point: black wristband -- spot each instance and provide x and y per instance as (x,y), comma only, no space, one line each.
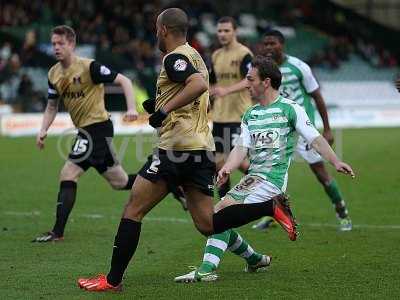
(157,118)
(149,105)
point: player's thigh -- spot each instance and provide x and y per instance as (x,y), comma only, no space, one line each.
(201,209)
(253,189)
(116,176)
(143,197)
(70,172)
(321,172)
(225,202)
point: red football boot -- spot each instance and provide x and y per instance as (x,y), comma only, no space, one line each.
(284,216)
(98,284)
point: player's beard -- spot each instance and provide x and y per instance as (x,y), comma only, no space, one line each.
(257,94)
(161,45)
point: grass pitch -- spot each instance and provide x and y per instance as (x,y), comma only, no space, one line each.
(322,264)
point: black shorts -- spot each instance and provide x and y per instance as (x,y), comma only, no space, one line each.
(225,136)
(93,147)
(190,168)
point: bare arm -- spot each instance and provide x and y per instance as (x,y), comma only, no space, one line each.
(126,84)
(305,128)
(235,158)
(195,85)
(322,147)
(321,107)
(48,118)
(226,90)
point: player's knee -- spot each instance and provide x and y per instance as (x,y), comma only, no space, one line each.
(117,185)
(205,229)
(133,209)
(68,175)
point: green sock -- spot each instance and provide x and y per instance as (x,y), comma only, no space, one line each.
(333,192)
(215,248)
(240,247)
(336,198)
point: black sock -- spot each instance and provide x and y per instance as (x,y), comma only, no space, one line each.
(224,189)
(125,245)
(65,203)
(131,180)
(241,214)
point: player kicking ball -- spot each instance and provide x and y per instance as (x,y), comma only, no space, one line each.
(268,137)
(184,156)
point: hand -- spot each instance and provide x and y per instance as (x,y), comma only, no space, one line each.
(157,118)
(149,105)
(131,115)
(344,168)
(327,134)
(219,91)
(40,139)
(398,84)
(223,176)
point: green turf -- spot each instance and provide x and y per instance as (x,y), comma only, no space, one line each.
(322,264)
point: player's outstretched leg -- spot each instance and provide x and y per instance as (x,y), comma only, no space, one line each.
(236,215)
(334,194)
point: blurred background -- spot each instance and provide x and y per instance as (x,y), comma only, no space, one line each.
(352,47)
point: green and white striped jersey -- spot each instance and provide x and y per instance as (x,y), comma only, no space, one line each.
(269,132)
(297,83)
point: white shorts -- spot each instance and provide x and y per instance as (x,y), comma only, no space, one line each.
(253,189)
(307,152)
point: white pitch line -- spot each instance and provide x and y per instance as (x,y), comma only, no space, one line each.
(91,216)
(22,213)
(354,225)
(165,219)
(188,221)
(153,219)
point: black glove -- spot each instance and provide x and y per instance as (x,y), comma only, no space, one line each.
(157,118)
(149,105)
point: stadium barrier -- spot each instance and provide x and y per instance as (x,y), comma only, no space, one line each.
(17,124)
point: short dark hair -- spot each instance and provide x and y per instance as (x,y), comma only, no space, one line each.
(267,68)
(176,20)
(277,34)
(65,30)
(228,19)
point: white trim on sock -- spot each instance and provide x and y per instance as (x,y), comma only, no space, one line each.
(217,244)
(249,252)
(236,244)
(211,258)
